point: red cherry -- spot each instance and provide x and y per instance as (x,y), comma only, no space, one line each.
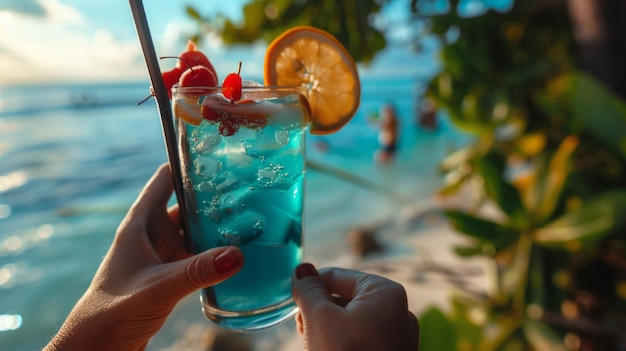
(231,87)
(197,76)
(171,77)
(212,114)
(192,57)
(228,127)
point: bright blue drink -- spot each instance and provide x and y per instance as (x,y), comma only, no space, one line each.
(243,173)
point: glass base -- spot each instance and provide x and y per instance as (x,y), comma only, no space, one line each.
(248,321)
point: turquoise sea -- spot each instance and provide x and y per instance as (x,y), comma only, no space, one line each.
(74,157)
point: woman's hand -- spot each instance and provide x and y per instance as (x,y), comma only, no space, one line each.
(349,310)
(145,273)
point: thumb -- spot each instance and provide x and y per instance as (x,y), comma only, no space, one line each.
(203,270)
(309,291)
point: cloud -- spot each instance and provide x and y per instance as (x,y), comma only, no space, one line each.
(60,13)
(46,10)
(24,7)
(63,47)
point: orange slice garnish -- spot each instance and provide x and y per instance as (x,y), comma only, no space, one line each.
(314,59)
(188,110)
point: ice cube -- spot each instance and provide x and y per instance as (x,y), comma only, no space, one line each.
(230,237)
(208,143)
(205,187)
(279,228)
(243,229)
(266,176)
(281,137)
(266,141)
(206,166)
(238,159)
(292,162)
(237,200)
(289,116)
(227,185)
(212,211)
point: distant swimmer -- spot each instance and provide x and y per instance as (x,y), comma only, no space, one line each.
(388,134)
(427,115)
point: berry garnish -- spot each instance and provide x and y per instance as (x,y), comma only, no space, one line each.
(212,114)
(234,114)
(193,57)
(231,87)
(170,78)
(197,76)
(228,127)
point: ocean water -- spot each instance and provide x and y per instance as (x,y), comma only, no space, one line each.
(74,157)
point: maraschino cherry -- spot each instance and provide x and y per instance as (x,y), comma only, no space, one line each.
(231,87)
(193,57)
(197,76)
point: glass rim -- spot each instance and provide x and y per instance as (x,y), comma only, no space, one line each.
(297,88)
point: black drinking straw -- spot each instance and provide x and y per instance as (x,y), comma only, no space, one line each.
(164,107)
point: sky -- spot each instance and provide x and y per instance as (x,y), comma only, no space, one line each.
(95,41)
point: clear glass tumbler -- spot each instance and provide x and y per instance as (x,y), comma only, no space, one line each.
(243,170)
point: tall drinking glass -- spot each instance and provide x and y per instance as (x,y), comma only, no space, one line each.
(242,166)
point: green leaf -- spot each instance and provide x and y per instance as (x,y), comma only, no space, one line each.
(482,229)
(437,332)
(470,330)
(602,113)
(193,13)
(505,195)
(551,181)
(469,251)
(594,220)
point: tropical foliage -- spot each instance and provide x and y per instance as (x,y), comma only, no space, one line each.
(549,157)
(348,21)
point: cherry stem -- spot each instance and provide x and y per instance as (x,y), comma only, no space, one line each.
(180,58)
(239,69)
(145,99)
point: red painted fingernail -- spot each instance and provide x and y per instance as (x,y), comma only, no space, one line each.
(305,270)
(227,261)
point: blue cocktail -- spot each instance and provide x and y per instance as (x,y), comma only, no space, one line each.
(243,171)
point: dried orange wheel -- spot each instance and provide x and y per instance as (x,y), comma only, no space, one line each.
(312,58)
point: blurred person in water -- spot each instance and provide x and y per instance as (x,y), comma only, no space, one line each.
(388,134)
